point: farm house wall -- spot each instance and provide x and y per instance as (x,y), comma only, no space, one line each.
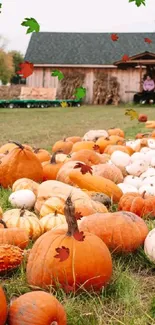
(129,80)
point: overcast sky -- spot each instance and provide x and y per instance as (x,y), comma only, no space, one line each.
(73,16)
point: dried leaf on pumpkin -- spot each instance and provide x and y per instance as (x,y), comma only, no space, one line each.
(84,168)
(63,253)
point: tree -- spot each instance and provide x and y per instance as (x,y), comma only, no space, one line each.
(6,67)
(17,59)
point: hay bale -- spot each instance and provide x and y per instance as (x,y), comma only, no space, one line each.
(10,92)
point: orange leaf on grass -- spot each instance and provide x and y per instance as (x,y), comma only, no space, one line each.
(84,168)
(63,253)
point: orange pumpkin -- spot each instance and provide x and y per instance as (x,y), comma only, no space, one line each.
(80,145)
(42,154)
(63,145)
(48,310)
(51,168)
(138,204)
(111,148)
(153,134)
(11,257)
(13,236)
(65,169)
(108,171)
(142,118)
(116,131)
(3,308)
(142,135)
(111,140)
(96,184)
(19,163)
(87,156)
(74,139)
(76,251)
(121,231)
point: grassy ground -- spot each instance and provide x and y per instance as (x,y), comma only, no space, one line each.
(130,297)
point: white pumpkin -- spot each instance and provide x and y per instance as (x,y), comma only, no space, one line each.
(95,134)
(148,189)
(137,156)
(149,155)
(120,159)
(151,143)
(149,245)
(153,162)
(23,199)
(145,149)
(149,172)
(134,144)
(137,167)
(133,181)
(52,220)
(127,188)
(149,180)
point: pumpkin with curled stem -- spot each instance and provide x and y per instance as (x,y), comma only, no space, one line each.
(121,231)
(21,162)
(67,256)
(13,236)
(47,311)
(3,309)
(138,204)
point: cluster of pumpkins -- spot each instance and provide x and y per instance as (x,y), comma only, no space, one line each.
(63,203)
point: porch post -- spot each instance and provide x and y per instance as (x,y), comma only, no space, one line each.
(140,76)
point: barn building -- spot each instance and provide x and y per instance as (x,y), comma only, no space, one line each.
(92,60)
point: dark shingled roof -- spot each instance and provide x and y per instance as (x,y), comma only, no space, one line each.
(85,48)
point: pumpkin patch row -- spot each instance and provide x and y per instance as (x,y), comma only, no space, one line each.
(62,201)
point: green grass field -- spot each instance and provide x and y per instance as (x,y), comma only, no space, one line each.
(130,297)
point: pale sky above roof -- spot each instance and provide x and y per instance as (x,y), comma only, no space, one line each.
(73,16)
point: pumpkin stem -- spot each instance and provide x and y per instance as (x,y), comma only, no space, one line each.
(36,150)
(55,213)
(64,138)
(17,144)
(53,160)
(69,212)
(143,194)
(3,223)
(22,211)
